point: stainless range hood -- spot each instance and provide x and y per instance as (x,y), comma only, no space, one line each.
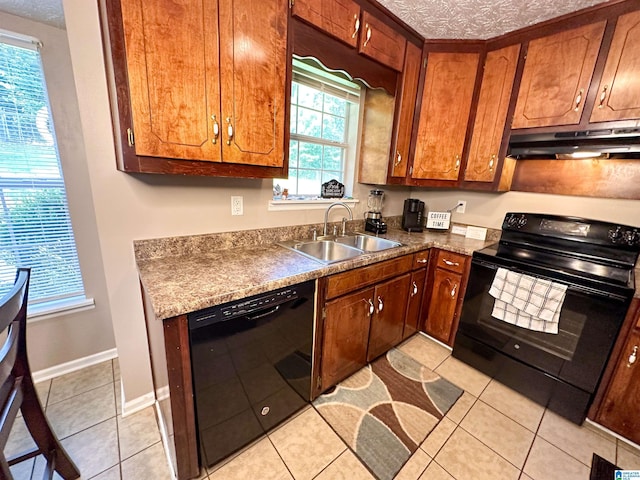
(618,143)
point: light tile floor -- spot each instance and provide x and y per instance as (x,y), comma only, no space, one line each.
(490,433)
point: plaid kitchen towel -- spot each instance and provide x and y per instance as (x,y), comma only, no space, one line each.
(527,301)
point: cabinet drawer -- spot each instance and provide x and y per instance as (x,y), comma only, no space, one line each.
(345,282)
(420,259)
(454,262)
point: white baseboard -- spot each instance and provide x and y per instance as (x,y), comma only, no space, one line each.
(136,404)
(74,365)
(165,438)
(162,393)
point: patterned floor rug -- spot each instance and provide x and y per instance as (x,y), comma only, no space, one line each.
(386,410)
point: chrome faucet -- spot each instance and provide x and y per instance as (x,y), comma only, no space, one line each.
(326,214)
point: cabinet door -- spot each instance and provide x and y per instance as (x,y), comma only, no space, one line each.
(491,114)
(253,67)
(172,65)
(338,18)
(346,333)
(442,307)
(381,42)
(444,115)
(407,105)
(416,289)
(556,77)
(390,300)
(619,411)
(619,92)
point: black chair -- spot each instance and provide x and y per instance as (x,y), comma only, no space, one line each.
(17,391)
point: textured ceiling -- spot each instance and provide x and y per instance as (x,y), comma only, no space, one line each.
(472,19)
(43,11)
(478,19)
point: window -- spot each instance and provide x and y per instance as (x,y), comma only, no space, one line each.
(35,229)
(324,123)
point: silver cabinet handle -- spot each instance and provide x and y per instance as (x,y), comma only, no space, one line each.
(450,263)
(229,130)
(368,37)
(422,260)
(457,162)
(633,357)
(578,100)
(380,304)
(492,162)
(216,129)
(356,26)
(372,307)
(415,289)
(453,290)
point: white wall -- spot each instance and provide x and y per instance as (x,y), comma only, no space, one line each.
(66,338)
(488,209)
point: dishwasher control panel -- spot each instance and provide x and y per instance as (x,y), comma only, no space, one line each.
(261,304)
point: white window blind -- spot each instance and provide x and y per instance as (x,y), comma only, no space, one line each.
(35,229)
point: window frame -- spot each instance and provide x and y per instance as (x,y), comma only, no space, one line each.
(52,302)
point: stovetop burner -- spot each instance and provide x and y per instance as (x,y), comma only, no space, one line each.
(591,253)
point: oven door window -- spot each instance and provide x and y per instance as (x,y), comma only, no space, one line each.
(589,323)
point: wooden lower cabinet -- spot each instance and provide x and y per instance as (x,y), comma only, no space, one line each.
(363,316)
(448,274)
(414,302)
(387,323)
(621,403)
(346,335)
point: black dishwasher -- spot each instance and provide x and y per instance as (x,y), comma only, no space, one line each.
(251,362)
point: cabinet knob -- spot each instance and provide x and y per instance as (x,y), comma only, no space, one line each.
(603,95)
(368,37)
(372,307)
(453,290)
(633,357)
(216,129)
(356,26)
(579,99)
(492,162)
(229,130)
(415,289)
(457,162)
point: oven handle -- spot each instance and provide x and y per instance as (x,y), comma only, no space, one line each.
(574,288)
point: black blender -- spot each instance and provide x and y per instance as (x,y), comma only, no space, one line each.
(373,217)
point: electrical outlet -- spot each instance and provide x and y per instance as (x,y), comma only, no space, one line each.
(236,206)
(462,206)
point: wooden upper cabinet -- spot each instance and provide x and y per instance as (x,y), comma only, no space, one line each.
(493,104)
(556,77)
(191,99)
(172,52)
(338,18)
(253,66)
(407,105)
(381,42)
(619,91)
(444,115)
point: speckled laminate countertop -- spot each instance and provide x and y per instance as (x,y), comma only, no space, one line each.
(185,274)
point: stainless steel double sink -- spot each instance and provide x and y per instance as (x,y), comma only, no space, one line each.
(330,248)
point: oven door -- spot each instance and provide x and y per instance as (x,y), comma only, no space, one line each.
(589,323)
